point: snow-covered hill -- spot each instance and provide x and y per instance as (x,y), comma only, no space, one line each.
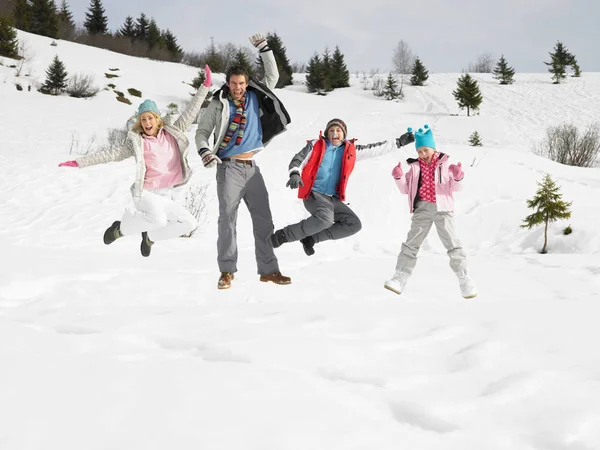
(103,349)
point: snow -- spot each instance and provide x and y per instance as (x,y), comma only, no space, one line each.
(103,349)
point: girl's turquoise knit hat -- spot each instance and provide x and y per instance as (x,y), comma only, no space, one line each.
(148,106)
(423,138)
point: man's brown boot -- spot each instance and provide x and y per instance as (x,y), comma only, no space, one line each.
(225,280)
(276,278)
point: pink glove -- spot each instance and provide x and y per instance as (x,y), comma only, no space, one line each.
(456,171)
(68,164)
(397,171)
(207,76)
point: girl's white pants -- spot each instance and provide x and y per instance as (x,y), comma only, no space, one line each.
(159,213)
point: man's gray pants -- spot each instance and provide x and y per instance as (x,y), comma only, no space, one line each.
(330,219)
(237,181)
(425,215)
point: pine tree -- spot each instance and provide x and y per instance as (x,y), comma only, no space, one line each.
(170,42)
(328,75)
(283,63)
(141,27)
(576,69)
(503,72)
(475,139)
(95,20)
(56,78)
(548,206)
(128,28)
(419,73)
(340,76)
(315,77)
(44,19)
(390,91)
(66,24)
(154,36)
(467,93)
(65,16)
(559,60)
(214,59)
(22,14)
(9,46)
(241,59)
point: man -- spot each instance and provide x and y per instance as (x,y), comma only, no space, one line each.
(320,172)
(244,116)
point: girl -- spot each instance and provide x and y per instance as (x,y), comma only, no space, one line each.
(429,184)
(160,151)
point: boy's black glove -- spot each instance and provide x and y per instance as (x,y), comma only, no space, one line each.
(294,181)
(405,139)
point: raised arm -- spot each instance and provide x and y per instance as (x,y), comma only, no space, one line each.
(266,55)
(185,120)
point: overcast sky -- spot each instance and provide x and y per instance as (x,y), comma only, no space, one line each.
(446,35)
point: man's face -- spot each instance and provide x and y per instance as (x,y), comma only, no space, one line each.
(335,134)
(237,85)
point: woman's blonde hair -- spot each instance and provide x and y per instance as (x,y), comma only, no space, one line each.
(137,127)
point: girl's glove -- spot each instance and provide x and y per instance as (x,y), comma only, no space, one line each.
(68,164)
(397,171)
(207,76)
(456,171)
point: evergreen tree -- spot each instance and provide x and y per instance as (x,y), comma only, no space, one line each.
(576,69)
(283,63)
(503,72)
(66,24)
(9,46)
(390,91)
(56,78)
(327,70)
(315,77)
(214,59)
(467,93)
(141,27)
(557,69)
(22,14)
(559,60)
(154,36)
(44,19)
(170,43)
(475,139)
(128,28)
(95,20)
(65,16)
(548,206)
(340,76)
(241,59)
(419,73)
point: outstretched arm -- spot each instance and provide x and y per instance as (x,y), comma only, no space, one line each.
(383,147)
(115,154)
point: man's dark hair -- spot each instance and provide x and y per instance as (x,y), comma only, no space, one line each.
(236,70)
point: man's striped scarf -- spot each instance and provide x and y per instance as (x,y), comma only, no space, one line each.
(237,124)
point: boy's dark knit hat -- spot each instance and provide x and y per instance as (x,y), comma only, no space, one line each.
(340,123)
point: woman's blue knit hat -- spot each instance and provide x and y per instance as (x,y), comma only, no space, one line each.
(423,138)
(148,106)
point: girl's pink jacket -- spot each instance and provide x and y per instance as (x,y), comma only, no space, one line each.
(445,184)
